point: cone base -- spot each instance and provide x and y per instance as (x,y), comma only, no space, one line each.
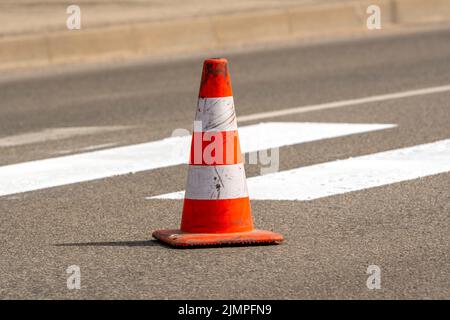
(178,238)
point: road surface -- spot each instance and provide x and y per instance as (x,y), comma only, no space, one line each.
(356,100)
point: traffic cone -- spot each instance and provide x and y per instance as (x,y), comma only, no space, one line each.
(216,207)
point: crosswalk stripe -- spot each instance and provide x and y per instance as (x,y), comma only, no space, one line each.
(41,174)
(342,176)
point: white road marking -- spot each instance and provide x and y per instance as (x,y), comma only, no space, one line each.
(342,176)
(343,103)
(55,134)
(41,174)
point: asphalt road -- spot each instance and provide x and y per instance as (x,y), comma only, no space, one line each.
(104,226)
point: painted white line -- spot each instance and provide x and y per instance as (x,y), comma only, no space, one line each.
(40,174)
(338,177)
(55,134)
(277,134)
(343,103)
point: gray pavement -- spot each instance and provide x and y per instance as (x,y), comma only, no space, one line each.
(105,226)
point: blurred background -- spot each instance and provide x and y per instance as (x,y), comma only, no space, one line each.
(34,32)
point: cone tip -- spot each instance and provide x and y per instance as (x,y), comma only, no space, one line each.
(216,65)
(215,79)
(216,60)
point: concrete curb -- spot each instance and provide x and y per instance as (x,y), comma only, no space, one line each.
(212,32)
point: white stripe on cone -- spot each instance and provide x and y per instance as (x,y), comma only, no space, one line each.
(215,114)
(216,182)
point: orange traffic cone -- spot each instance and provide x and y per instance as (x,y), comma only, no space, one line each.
(216,206)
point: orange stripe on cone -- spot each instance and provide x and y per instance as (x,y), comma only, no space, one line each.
(216,207)
(215,79)
(216,216)
(215,148)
